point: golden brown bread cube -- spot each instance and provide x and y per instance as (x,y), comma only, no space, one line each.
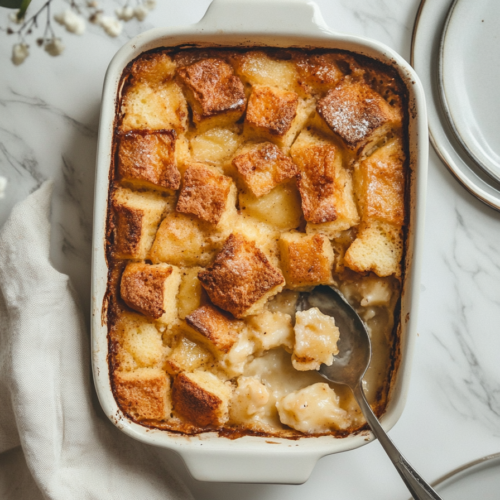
(201,398)
(147,160)
(137,216)
(153,69)
(214,328)
(318,72)
(378,247)
(213,90)
(151,290)
(143,393)
(187,356)
(263,235)
(241,279)
(271,111)
(306,260)
(263,166)
(345,208)
(182,240)
(191,293)
(380,183)
(159,107)
(319,193)
(358,115)
(317,160)
(205,193)
(138,343)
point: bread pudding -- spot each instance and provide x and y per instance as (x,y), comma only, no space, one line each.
(241,178)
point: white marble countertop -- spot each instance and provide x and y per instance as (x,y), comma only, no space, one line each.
(49,110)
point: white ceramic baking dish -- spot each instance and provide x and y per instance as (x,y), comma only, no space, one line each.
(276,23)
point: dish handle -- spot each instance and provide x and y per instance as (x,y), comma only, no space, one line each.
(247,464)
(281,16)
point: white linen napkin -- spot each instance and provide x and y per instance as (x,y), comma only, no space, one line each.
(47,400)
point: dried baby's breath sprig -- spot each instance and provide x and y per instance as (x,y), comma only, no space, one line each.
(73,17)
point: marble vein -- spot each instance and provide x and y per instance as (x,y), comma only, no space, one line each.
(472,382)
(39,103)
(19,157)
(74,191)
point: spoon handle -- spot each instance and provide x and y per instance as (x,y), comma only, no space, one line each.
(419,488)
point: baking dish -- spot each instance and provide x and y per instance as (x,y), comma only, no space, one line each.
(277,23)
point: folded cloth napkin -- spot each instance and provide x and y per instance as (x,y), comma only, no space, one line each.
(47,401)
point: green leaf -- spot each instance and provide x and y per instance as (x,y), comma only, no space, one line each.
(11,4)
(22,5)
(23,8)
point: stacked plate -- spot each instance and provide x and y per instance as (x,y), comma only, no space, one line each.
(478,479)
(455,51)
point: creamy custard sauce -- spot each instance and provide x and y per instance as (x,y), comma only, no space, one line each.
(374,300)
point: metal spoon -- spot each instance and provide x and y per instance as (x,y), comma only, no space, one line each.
(349,367)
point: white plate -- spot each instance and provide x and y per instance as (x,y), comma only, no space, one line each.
(426,44)
(469,84)
(479,479)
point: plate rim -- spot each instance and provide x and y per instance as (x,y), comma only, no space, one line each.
(469,465)
(437,149)
(464,467)
(444,99)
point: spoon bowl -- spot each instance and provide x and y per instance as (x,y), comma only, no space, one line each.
(355,351)
(349,367)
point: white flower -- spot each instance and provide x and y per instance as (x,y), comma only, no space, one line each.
(3,186)
(20,52)
(150,4)
(71,21)
(96,18)
(141,12)
(111,26)
(125,14)
(54,47)
(13,18)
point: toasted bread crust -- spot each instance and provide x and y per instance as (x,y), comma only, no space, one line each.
(215,326)
(128,229)
(380,184)
(194,403)
(271,110)
(143,394)
(153,69)
(204,193)
(149,156)
(354,112)
(142,288)
(263,167)
(137,215)
(378,248)
(319,71)
(214,88)
(307,262)
(240,276)
(316,182)
(153,107)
